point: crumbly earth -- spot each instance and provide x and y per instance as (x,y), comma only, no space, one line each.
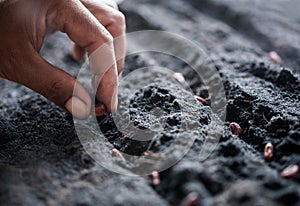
(42,161)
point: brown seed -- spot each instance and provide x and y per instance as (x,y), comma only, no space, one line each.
(236,129)
(118,154)
(100,110)
(202,100)
(275,57)
(269,150)
(155,179)
(191,199)
(290,171)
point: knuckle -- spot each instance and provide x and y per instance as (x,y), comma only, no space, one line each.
(119,21)
(120,17)
(56,85)
(101,37)
(107,37)
(113,4)
(57,90)
(98,34)
(101,34)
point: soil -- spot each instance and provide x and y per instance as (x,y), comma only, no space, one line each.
(44,163)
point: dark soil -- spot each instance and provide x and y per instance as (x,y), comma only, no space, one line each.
(44,163)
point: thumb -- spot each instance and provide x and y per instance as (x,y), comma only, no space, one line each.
(54,84)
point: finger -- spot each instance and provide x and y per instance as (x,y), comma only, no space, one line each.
(105,75)
(111,3)
(114,22)
(117,27)
(119,45)
(51,82)
(103,82)
(87,32)
(78,53)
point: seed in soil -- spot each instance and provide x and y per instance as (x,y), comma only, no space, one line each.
(269,150)
(191,199)
(275,57)
(155,179)
(236,129)
(117,153)
(179,77)
(202,100)
(290,171)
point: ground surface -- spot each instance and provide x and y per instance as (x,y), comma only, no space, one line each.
(43,162)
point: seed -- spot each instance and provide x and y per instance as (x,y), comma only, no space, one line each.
(155,179)
(290,171)
(269,150)
(100,110)
(202,100)
(191,199)
(179,77)
(236,129)
(275,57)
(118,154)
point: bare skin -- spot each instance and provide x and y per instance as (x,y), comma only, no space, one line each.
(88,23)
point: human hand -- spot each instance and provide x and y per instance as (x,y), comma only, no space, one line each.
(88,23)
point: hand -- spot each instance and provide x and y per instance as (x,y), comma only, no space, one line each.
(88,23)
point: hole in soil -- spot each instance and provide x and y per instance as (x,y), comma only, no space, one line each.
(151,108)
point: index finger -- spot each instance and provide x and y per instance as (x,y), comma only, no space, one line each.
(73,18)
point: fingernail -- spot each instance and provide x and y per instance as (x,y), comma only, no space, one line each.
(77,108)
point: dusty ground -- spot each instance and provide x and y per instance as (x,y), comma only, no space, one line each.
(43,162)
